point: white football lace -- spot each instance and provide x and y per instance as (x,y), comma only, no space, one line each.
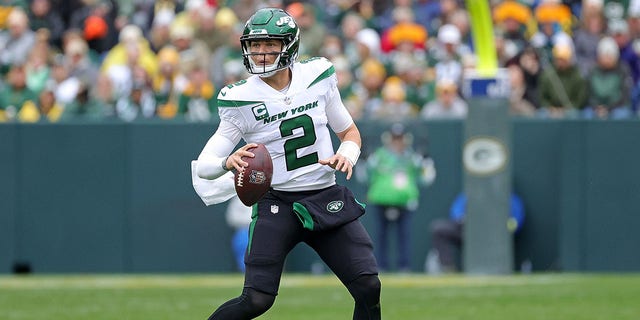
(240,177)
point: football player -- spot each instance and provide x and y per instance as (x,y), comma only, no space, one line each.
(289,106)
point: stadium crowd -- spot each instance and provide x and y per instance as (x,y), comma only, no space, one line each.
(128,60)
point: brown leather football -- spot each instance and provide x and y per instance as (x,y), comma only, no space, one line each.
(254,182)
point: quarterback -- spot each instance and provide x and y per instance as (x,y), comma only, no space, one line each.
(291,107)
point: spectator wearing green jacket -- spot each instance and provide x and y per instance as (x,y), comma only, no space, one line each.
(610,84)
(395,173)
(563,90)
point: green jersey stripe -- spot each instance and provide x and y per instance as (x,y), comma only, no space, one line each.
(235,103)
(326,74)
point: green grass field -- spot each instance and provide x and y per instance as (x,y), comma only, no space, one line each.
(177,297)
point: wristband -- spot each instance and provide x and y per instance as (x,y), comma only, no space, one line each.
(349,150)
(224,163)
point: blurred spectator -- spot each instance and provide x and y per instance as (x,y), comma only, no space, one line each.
(404,32)
(447,235)
(234,71)
(447,8)
(79,61)
(448,103)
(159,32)
(529,61)
(331,46)
(125,13)
(427,12)
(84,107)
(190,15)
(554,13)
(392,105)
(96,19)
(104,95)
(519,105)
(629,55)
(191,50)
(37,67)
(586,37)
(132,49)
(146,13)
(554,24)
(138,104)
(313,31)
(506,49)
(43,16)
(16,41)
(121,73)
(66,86)
(245,8)
(445,56)
(615,9)
(350,25)
(388,17)
(395,173)
(50,109)
(419,85)
(512,19)
(370,78)
(15,94)
(134,69)
(197,102)
(346,87)
(609,84)
(6,6)
(460,19)
(44,109)
(230,51)
(633,19)
(563,90)
(619,30)
(167,83)
(72,34)
(368,47)
(215,29)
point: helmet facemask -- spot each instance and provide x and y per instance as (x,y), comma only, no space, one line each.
(270,24)
(263,70)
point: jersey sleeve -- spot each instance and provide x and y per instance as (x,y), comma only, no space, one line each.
(338,116)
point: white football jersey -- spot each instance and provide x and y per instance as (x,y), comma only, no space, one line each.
(292,125)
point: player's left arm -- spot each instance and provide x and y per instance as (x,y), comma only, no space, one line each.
(345,128)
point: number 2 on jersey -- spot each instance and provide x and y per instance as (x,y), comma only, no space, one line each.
(292,145)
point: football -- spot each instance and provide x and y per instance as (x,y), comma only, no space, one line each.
(254,182)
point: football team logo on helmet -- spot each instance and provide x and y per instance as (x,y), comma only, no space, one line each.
(286,20)
(335,206)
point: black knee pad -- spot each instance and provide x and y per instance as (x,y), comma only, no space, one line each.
(250,304)
(366,293)
(366,289)
(259,302)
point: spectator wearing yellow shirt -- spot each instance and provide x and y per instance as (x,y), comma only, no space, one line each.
(15,94)
(131,35)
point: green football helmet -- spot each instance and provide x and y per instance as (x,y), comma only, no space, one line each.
(271,23)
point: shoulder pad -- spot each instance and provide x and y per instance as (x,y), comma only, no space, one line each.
(233,95)
(320,68)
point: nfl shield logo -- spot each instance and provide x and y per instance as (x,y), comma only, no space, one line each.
(274,208)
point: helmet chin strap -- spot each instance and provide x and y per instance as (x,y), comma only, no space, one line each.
(267,74)
(267,70)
